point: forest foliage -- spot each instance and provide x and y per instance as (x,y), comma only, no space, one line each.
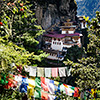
(86,70)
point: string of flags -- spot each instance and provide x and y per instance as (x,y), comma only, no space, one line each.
(48,72)
(42,87)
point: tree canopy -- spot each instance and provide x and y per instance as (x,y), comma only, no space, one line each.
(18,34)
(18,41)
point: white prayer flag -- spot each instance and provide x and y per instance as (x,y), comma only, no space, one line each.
(62,72)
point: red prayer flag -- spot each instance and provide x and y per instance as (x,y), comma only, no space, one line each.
(44,96)
(43,84)
(54,72)
(76,92)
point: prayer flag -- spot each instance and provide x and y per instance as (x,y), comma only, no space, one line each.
(37,94)
(51,87)
(31,82)
(56,83)
(47,81)
(44,96)
(43,84)
(23,86)
(51,97)
(54,72)
(62,88)
(68,71)
(68,90)
(40,72)
(37,83)
(62,72)
(47,72)
(30,91)
(76,92)
(27,68)
(32,71)
(31,86)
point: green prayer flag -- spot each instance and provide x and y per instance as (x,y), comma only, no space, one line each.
(72,88)
(37,83)
(37,94)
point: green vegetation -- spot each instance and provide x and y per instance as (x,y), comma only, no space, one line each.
(87,70)
(74,53)
(18,34)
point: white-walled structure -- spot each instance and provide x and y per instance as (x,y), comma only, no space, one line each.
(68,28)
(56,44)
(83,23)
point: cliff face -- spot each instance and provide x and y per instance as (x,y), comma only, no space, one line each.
(49,12)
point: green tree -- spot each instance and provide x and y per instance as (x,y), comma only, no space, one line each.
(74,53)
(18,40)
(87,69)
(19,32)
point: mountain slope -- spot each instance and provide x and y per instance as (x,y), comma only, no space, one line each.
(88,7)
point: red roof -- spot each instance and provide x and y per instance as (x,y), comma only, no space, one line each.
(75,34)
(61,35)
(55,35)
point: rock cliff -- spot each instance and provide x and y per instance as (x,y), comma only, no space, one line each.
(49,12)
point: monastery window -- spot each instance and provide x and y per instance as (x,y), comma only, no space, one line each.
(75,38)
(49,40)
(54,39)
(72,28)
(46,39)
(58,39)
(84,24)
(60,43)
(67,31)
(68,38)
(54,54)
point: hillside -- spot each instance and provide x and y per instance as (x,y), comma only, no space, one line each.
(88,7)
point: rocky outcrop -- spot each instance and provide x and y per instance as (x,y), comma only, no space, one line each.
(49,12)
